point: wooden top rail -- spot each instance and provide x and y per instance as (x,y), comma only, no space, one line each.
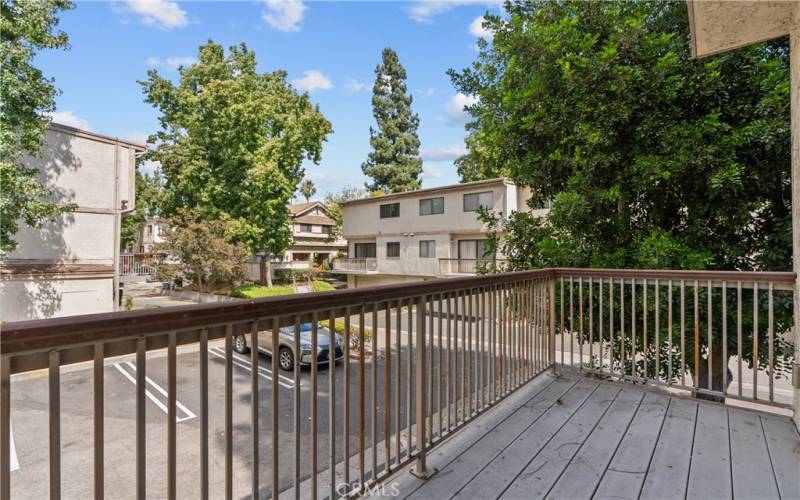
(38,336)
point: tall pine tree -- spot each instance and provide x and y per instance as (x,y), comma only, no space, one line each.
(394,163)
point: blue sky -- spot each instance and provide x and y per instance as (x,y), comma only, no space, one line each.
(328,48)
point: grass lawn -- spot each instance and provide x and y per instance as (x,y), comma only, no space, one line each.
(259,291)
(322,286)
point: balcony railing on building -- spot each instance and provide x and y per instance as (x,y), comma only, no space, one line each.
(421,361)
(357,265)
(138,264)
(470,266)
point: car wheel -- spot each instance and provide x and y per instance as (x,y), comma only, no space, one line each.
(240,344)
(286,359)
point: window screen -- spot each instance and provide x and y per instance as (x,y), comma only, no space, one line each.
(474,200)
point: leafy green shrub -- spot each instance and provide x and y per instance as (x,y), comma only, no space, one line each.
(259,291)
(322,286)
(338,326)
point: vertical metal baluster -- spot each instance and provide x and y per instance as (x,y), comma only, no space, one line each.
(410,409)
(439,368)
(739,336)
(770,338)
(99,428)
(669,331)
(229,411)
(479,350)
(387,389)
(493,344)
(658,333)
(600,325)
(622,326)
(591,324)
(683,333)
(361,398)
(421,365)
(695,377)
(203,353)
(463,357)
(172,416)
(611,343)
(296,408)
(314,402)
(709,313)
(331,406)
(429,369)
(561,328)
(450,372)
(755,340)
(468,350)
(374,388)
(580,322)
(5,428)
(141,435)
(254,428)
(633,327)
(644,327)
(571,325)
(399,392)
(275,427)
(346,390)
(724,337)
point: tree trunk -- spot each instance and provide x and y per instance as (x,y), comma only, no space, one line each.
(717,380)
(268,268)
(262,269)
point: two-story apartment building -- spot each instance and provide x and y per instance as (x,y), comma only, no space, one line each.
(423,234)
(71,265)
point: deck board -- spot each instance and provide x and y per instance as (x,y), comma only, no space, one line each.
(669,469)
(465,465)
(504,468)
(545,468)
(582,475)
(780,433)
(750,462)
(710,469)
(627,470)
(574,437)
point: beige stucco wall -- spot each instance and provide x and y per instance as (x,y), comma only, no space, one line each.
(86,238)
(43,298)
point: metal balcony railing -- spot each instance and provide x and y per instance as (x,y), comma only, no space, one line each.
(470,266)
(365,265)
(138,264)
(433,356)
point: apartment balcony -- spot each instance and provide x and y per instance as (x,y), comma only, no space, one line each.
(469,267)
(355,265)
(560,383)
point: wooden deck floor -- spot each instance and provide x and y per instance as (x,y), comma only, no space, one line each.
(572,437)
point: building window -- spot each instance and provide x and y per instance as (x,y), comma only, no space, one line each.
(390,210)
(327,229)
(474,200)
(393,249)
(365,250)
(427,249)
(305,228)
(473,249)
(431,206)
(149,229)
(546,203)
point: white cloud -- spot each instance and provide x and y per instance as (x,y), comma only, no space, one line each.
(284,15)
(447,153)
(454,109)
(424,11)
(354,85)
(161,13)
(427,92)
(136,136)
(69,119)
(429,172)
(149,167)
(477,29)
(170,63)
(313,80)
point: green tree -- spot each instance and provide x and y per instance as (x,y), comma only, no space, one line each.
(232,143)
(148,200)
(653,159)
(204,250)
(307,189)
(333,204)
(27,97)
(394,163)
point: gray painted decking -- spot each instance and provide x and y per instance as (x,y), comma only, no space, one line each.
(572,437)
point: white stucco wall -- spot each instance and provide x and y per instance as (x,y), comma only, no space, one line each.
(78,237)
(42,298)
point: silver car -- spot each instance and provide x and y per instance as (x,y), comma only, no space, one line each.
(286,348)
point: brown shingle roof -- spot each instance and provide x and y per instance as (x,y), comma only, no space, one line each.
(314,219)
(300,207)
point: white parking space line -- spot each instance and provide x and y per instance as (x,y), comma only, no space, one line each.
(244,363)
(188,414)
(14,461)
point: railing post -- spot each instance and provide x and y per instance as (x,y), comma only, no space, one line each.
(794,63)
(420,469)
(551,319)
